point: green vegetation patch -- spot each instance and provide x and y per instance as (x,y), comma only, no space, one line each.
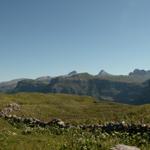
(71,109)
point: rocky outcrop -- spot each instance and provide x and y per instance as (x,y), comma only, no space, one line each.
(9,108)
(5,113)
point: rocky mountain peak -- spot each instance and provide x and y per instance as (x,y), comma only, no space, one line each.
(103,73)
(72,73)
(138,72)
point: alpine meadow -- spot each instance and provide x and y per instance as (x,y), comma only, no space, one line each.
(55,91)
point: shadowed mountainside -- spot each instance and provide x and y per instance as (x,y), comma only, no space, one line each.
(132,89)
(85,84)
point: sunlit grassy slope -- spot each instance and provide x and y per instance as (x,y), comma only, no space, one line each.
(72,109)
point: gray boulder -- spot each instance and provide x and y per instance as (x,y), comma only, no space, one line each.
(124,147)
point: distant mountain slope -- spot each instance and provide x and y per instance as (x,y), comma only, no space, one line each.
(30,85)
(85,84)
(97,87)
(121,88)
(9,85)
(44,79)
(140,75)
(145,94)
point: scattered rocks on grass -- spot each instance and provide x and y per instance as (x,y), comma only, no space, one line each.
(108,127)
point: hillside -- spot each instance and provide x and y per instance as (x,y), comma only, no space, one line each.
(76,110)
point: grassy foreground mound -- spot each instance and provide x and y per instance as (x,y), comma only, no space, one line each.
(71,109)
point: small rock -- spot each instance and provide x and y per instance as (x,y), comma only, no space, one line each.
(57,122)
(124,147)
(14,106)
(14,133)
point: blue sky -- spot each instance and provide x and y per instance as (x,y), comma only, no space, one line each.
(53,37)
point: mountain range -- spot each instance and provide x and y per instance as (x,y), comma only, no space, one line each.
(133,88)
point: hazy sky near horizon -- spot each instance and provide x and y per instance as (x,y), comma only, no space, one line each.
(53,37)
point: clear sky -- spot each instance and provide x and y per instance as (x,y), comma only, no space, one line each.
(53,37)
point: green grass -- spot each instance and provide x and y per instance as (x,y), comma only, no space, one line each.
(72,109)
